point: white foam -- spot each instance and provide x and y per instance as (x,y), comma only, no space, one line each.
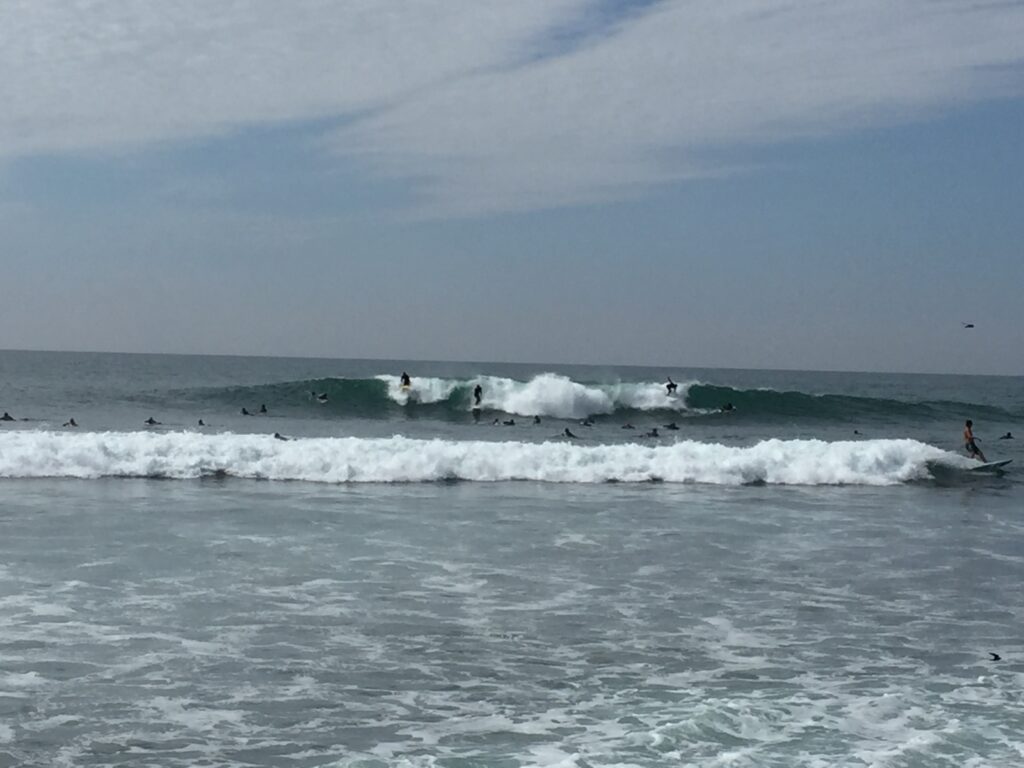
(548,394)
(399,459)
(421,390)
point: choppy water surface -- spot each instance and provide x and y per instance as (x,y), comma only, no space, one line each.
(240,623)
(816,579)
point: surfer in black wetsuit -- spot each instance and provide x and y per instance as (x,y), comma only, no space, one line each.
(478,394)
(151,422)
(1007,436)
(279,436)
(6,417)
(969,445)
(263,408)
(406,381)
(671,425)
(509,423)
(71,423)
(202,423)
(670,386)
(728,407)
(569,434)
(536,419)
(245,412)
(652,433)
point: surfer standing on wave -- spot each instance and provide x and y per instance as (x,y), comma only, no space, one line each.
(406,381)
(478,394)
(969,445)
(670,386)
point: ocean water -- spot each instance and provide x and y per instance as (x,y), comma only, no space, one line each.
(814,578)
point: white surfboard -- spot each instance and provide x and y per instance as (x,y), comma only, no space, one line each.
(992,466)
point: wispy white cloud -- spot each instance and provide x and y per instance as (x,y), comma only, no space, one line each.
(78,74)
(645,105)
(451,95)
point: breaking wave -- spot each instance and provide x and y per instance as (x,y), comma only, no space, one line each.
(185,455)
(557,396)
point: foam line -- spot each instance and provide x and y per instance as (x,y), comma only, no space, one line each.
(398,459)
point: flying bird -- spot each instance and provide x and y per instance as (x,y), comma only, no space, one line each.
(968,325)
(995,656)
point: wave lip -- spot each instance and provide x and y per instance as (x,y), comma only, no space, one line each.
(398,459)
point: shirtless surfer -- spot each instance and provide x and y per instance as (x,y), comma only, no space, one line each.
(969,445)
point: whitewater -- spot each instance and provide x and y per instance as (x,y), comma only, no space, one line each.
(183,455)
(548,394)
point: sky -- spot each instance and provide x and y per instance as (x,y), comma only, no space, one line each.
(822,184)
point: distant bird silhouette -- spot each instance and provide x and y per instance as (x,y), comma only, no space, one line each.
(968,325)
(995,656)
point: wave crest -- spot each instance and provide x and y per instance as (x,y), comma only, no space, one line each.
(387,460)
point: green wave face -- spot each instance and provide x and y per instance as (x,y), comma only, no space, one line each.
(553,396)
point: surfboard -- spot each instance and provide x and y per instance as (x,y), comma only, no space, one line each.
(991,466)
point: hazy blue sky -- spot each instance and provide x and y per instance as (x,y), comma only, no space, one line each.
(742,183)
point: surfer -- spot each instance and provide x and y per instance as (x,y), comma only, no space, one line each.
(627,425)
(6,417)
(727,407)
(263,407)
(569,434)
(670,386)
(245,412)
(322,397)
(536,419)
(652,433)
(279,436)
(478,394)
(587,422)
(71,422)
(509,423)
(672,425)
(969,445)
(202,423)
(406,381)
(151,422)
(1007,436)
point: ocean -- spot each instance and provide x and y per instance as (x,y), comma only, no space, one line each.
(367,575)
